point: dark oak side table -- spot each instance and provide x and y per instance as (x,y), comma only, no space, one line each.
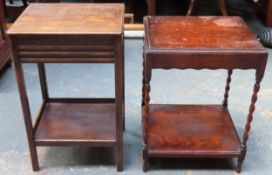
(208,131)
(71,33)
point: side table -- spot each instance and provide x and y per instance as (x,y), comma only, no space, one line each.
(197,43)
(71,33)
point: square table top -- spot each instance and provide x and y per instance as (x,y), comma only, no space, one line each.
(199,33)
(70,18)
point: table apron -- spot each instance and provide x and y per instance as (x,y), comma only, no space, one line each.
(62,49)
(206,61)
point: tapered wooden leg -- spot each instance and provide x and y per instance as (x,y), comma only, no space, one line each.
(227,88)
(191,8)
(249,120)
(42,75)
(119,102)
(151,6)
(123,83)
(222,6)
(27,114)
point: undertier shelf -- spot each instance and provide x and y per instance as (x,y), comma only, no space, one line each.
(71,123)
(191,131)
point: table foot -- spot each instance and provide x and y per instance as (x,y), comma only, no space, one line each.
(145,160)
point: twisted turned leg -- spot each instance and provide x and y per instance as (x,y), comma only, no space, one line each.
(145,121)
(146,99)
(227,88)
(249,120)
(143,83)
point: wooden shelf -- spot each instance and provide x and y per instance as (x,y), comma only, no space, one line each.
(191,130)
(82,123)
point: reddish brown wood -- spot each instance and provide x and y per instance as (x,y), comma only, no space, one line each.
(191,130)
(227,88)
(96,38)
(197,43)
(5,51)
(259,76)
(220,34)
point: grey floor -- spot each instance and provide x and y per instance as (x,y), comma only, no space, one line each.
(171,86)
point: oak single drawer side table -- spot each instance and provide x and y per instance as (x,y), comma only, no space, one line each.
(71,33)
(183,130)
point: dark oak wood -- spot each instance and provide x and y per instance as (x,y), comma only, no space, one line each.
(53,33)
(63,124)
(66,19)
(5,51)
(197,43)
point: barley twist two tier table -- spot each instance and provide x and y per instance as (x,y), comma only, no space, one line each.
(71,33)
(197,43)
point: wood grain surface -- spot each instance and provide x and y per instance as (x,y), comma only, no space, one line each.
(200,33)
(53,18)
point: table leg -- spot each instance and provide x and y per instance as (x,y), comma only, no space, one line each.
(227,88)
(42,76)
(256,89)
(123,83)
(26,113)
(143,81)
(119,102)
(147,78)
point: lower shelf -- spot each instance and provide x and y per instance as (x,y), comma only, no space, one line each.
(69,123)
(191,131)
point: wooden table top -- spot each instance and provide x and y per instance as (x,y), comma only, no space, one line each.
(199,33)
(69,18)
